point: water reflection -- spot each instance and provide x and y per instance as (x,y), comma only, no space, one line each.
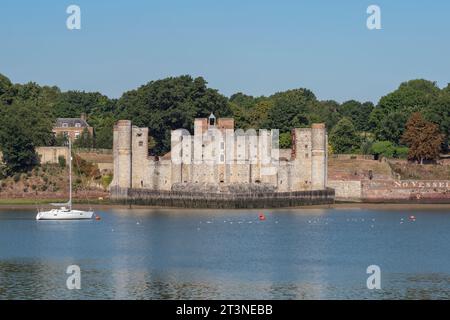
(170,254)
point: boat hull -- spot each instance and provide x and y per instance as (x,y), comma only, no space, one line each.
(64,215)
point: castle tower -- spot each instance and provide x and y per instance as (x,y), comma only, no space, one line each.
(318,155)
(122,154)
(301,175)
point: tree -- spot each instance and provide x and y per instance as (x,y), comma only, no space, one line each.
(285,140)
(84,140)
(423,139)
(439,113)
(290,109)
(358,112)
(17,147)
(383,148)
(411,96)
(391,127)
(344,138)
(169,104)
(6,90)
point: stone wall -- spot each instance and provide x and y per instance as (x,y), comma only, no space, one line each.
(346,190)
(221,200)
(51,154)
(305,169)
(406,190)
(427,191)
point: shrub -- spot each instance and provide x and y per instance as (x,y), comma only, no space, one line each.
(401,152)
(17,177)
(62,161)
(106,180)
(383,148)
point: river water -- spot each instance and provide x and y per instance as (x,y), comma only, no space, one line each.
(228,254)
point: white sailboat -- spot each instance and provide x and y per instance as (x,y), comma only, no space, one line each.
(65,212)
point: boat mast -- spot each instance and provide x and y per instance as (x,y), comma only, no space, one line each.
(70,175)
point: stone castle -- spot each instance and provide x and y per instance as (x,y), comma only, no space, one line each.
(220,159)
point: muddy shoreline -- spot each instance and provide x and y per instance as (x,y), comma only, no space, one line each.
(356,205)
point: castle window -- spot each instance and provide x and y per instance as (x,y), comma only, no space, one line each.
(142,183)
(141,143)
(281,181)
(222,158)
(306,146)
(306,155)
(222,145)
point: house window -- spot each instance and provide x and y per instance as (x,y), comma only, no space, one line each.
(65,124)
(77,135)
(78,125)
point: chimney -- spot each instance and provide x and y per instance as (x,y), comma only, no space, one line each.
(83,116)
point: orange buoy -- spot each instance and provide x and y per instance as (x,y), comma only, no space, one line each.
(262,217)
(97,218)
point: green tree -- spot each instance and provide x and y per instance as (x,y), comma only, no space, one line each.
(290,109)
(169,104)
(391,127)
(285,140)
(411,96)
(439,113)
(383,148)
(85,140)
(358,112)
(17,146)
(6,90)
(344,137)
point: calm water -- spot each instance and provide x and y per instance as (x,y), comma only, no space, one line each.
(203,254)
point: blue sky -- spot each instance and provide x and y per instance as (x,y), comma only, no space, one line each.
(255,46)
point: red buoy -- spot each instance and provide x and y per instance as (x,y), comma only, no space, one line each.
(97,218)
(262,217)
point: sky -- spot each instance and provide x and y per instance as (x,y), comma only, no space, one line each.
(258,47)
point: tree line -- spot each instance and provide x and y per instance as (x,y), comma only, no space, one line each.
(28,113)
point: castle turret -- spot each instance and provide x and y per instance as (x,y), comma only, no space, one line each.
(122,154)
(318,156)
